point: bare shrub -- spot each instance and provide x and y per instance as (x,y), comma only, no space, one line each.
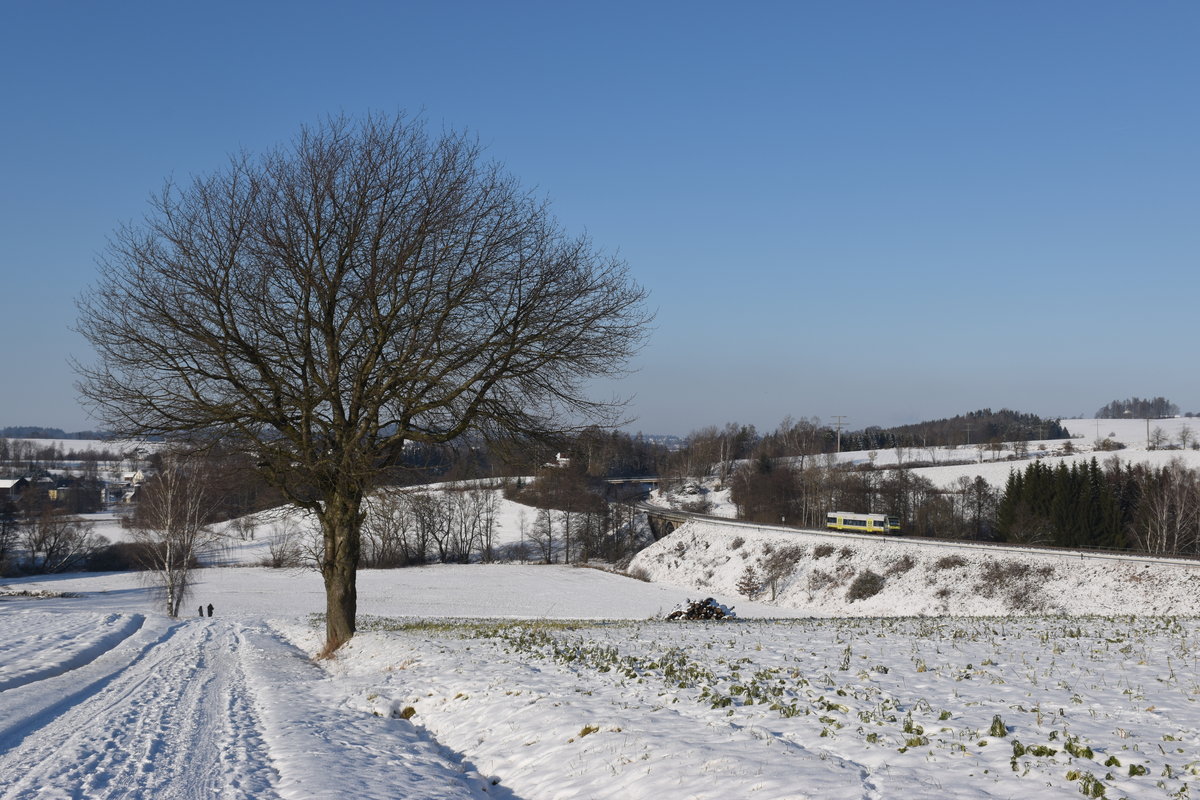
(638,574)
(780,564)
(823,550)
(901,565)
(736,543)
(999,576)
(866,584)
(819,579)
(783,561)
(950,562)
(285,547)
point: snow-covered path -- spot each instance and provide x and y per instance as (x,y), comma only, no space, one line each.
(166,715)
(125,706)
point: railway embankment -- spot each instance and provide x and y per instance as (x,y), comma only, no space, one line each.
(831,576)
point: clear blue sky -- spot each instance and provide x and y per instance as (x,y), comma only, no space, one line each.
(890,211)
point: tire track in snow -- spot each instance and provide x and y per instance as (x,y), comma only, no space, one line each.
(26,663)
(177,721)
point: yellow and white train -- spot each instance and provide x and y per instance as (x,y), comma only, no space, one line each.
(861,523)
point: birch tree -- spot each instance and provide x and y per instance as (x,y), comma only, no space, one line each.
(171,526)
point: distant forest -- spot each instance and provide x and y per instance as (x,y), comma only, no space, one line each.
(1137,408)
(35,432)
(976,427)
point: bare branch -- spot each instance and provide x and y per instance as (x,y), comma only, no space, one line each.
(366,286)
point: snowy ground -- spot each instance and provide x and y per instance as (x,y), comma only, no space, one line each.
(540,683)
(101,697)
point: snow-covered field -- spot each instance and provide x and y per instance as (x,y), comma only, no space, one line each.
(553,682)
(538,683)
(994,467)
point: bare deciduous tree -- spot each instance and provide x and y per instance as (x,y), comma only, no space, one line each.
(285,545)
(55,541)
(366,286)
(171,526)
(1168,521)
(390,535)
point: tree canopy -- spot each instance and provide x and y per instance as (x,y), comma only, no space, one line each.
(366,286)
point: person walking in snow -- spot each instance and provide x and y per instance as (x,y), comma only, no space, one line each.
(210,609)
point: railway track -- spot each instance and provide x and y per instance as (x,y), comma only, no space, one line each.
(681,517)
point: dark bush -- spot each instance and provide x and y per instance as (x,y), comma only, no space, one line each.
(867,584)
(120,557)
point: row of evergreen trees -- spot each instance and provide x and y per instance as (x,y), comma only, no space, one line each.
(1135,506)
(1076,506)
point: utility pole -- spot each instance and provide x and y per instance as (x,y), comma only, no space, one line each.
(839,425)
(968,433)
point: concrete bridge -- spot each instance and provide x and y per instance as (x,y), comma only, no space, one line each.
(663,521)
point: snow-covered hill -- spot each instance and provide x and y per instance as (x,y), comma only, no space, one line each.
(1177,436)
(826,575)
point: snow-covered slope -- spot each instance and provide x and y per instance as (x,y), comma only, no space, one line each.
(101,697)
(824,575)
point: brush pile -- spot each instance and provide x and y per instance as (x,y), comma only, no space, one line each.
(702,609)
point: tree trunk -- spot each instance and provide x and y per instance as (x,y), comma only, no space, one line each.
(341,523)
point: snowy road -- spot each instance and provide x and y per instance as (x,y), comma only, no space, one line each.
(170,715)
(123,706)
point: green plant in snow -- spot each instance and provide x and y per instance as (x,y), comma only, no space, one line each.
(1090,786)
(998,727)
(1073,747)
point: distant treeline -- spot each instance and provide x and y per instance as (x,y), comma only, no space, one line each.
(35,432)
(1137,408)
(976,427)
